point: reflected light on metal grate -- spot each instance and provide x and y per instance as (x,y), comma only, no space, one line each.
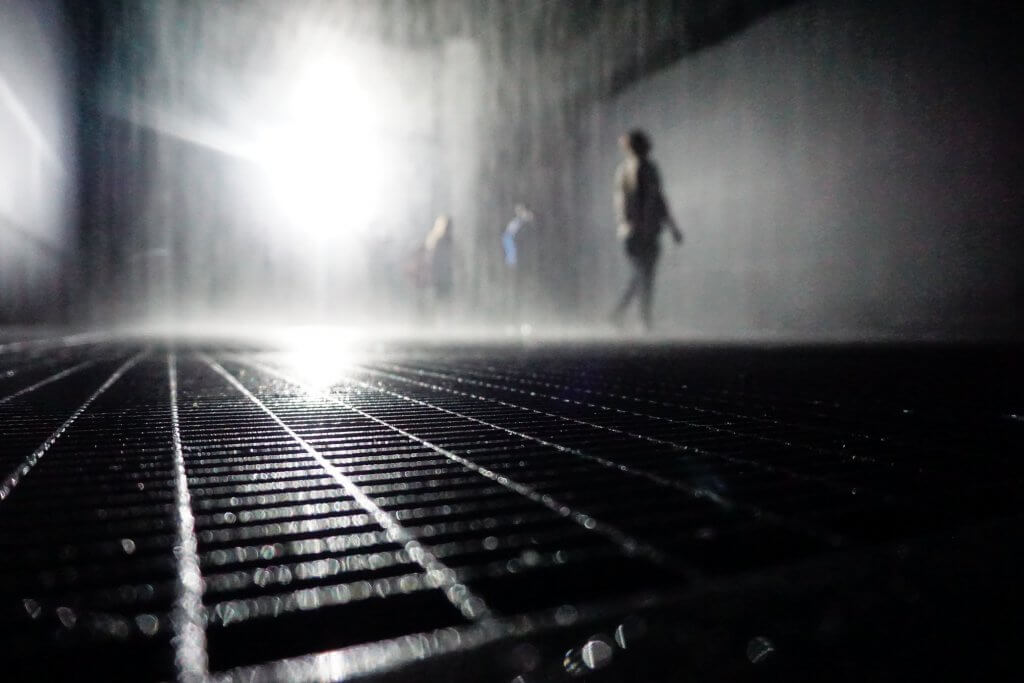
(542,513)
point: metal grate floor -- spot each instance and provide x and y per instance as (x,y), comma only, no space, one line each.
(539,513)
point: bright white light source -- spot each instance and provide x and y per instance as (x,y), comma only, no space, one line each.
(318,357)
(323,162)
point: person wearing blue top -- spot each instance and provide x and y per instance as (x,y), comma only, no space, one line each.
(522,217)
(513,301)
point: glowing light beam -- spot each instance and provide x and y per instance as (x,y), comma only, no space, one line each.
(324,163)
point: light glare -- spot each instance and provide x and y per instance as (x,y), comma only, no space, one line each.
(319,357)
(323,161)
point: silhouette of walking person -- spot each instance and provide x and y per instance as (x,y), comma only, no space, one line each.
(641,212)
(439,252)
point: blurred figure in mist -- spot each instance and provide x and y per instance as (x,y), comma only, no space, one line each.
(523,217)
(439,259)
(641,213)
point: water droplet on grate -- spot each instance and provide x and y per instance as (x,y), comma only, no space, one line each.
(565,615)
(629,631)
(148,624)
(33,608)
(67,617)
(597,653)
(759,649)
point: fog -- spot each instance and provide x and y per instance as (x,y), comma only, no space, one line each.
(37,166)
(840,166)
(255,162)
(840,171)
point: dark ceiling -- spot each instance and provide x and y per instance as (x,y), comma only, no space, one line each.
(640,36)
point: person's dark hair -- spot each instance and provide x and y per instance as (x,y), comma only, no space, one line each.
(639,142)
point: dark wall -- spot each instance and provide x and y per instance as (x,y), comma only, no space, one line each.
(841,169)
(37,168)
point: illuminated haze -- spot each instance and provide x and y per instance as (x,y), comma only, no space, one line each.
(840,171)
(37,167)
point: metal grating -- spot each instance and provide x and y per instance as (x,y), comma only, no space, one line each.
(492,512)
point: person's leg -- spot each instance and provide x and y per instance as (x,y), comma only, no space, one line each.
(632,288)
(646,287)
(520,297)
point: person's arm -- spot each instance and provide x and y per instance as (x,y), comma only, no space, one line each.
(662,210)
(669,222)
(623,228)
(677,234)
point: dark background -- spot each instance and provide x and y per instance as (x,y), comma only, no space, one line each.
(842,169)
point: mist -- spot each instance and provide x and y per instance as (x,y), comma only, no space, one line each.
(840,171)
(517,340)
(37,164)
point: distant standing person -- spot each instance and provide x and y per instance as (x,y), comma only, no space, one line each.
(441,259)
(508,238)
(641,212)
(514,294)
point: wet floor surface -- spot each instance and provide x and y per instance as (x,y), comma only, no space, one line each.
(482,512)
